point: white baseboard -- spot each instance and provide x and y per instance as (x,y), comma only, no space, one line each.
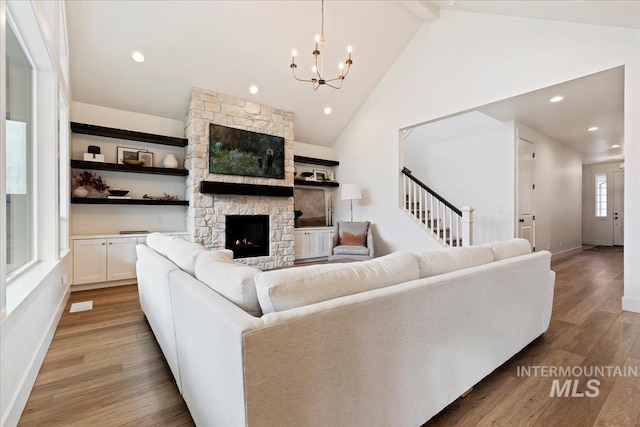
(100,285)
(631,304)
(563,254)
(20,398)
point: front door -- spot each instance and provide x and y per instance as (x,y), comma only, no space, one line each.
(526,188)
(618,208)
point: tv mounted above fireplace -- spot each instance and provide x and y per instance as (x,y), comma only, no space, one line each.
(241,152)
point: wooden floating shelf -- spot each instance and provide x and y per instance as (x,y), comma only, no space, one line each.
(315,161)
(316,183)
(89,201)
(82,164)
(212,187)
(86,129)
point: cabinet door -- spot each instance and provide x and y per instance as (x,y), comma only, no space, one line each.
(300,244)
(121,258)
(315,243)
(327,242)
(89,261)
(142,240)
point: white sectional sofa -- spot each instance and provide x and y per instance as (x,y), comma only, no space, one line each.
(386,342)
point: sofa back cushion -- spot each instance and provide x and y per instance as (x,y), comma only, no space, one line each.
(159,242)
(439,262)
(285,289)
(509,248)
(184,254)
(233,281)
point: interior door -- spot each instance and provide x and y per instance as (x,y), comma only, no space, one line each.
(618,208)
(526,190)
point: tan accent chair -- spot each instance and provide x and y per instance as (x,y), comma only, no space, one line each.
(356,252)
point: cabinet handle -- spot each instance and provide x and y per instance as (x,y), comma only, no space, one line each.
(111,243)
(103,244)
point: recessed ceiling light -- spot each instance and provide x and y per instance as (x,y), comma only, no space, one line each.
(593,128)
(253,89)
(557,98)
(327,110)
(615,146)
(137,56)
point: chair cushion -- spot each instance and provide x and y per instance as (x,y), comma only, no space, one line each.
(233,281)
(280,290)
(509,248)
(350,250)
(439,262)
(355,240)
(354,228)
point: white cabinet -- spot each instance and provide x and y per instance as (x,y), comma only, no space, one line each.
(313,242)
(101,260)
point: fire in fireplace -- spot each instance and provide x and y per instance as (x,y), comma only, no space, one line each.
(247,235)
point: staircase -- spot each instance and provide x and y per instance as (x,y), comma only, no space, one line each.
(447,224)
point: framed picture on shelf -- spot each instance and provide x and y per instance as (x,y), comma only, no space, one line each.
(126,155)
(320,175)
(146,158)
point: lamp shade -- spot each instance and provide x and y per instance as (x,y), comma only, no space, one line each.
(351,192)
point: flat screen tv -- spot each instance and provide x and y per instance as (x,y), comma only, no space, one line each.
(242,152)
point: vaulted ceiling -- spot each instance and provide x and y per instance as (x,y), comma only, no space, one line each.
(226,46)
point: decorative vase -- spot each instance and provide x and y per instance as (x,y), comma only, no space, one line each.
(95,194)
(170,161)
(80,192)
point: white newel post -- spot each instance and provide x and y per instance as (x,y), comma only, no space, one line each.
(467,226)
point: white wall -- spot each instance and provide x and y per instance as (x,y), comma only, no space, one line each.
(104,219)
(475,170)
(34,299)
(558,194)
(597,231)
(465,60)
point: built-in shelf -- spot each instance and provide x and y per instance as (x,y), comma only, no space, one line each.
(86,129)
(315,161)
(211,187)
(89,201)
(316,183)
(81,164)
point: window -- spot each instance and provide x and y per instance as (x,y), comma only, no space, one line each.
(19,183)
(601,195)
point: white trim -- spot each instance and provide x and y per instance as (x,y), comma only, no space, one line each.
(102,285)
(18,401)
(631,304)
(566,253)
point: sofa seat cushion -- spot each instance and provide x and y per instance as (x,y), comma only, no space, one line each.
(509,248)
(350,250)
(280,290)
(233,281)
(439,262)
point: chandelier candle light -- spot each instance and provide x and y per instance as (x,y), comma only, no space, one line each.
(318,69)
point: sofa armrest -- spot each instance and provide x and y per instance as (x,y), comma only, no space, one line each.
(209,334)
(370,241)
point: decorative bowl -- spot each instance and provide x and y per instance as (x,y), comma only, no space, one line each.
(133,162)
(118,192)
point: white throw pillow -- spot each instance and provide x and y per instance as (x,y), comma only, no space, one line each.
(233,281)
(289,288)
(509,248)
(159,242)
(452,259)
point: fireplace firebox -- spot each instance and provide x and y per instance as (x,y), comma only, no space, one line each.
(247,235)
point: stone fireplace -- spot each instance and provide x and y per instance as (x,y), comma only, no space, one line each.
(210,216)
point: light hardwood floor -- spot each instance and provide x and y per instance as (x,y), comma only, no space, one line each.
(105,368)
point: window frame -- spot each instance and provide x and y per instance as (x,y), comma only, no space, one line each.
(599,198)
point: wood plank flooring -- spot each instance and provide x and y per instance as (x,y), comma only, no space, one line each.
(104,367)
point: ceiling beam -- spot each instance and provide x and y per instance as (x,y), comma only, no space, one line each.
(426,10)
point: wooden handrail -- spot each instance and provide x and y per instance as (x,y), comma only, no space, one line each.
(407,172)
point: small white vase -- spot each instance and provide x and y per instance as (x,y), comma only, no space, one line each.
(170,161)
(80,192)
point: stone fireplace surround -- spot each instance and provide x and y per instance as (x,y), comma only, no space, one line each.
(206,215)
